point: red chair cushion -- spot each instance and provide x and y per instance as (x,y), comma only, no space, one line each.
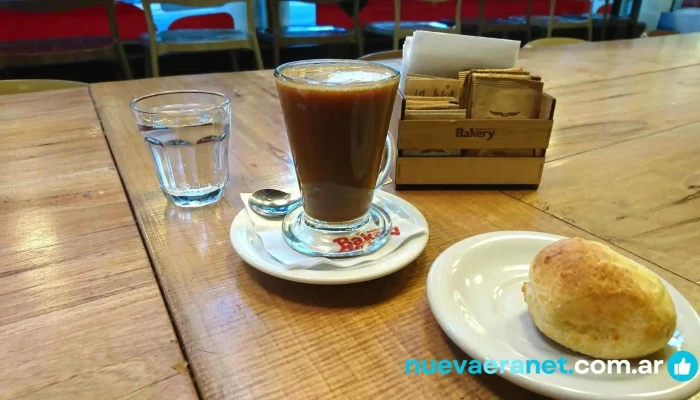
(209,21)
(84,22)
(92,22)
(383,10)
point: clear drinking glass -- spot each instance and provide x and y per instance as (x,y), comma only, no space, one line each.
(187,132)
(337,114)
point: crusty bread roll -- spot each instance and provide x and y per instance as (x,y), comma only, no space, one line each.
(588,298)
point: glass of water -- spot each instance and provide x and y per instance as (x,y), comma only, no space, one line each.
(187,132)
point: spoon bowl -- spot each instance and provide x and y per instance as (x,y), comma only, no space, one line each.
(273,202)
(277,203)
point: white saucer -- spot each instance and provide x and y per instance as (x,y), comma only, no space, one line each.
(250,248)
(474,291)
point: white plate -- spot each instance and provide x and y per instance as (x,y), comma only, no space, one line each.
(474,291)
(250,248)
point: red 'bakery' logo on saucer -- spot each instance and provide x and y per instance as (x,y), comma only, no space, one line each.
(361,240)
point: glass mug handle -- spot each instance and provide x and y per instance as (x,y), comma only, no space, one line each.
(386,161)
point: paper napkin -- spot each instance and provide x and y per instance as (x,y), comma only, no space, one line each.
(445,54)
(270,232)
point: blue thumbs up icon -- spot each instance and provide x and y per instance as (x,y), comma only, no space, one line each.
(682,366)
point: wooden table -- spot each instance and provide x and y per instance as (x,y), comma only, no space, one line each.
(622,168)
(592,62)
(81,316)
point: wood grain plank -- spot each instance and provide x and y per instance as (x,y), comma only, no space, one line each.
(643,195)
(595,115)
(576,64)
(81,315)
(103,349)
(599,61)
(249,335)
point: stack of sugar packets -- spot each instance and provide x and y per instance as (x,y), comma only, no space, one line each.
(458,77)
(483,94)
(511,93)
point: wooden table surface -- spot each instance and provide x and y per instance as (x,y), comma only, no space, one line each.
(81,316)
(622,168)
(591,62)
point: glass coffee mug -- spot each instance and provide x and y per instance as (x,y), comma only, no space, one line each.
(337,114)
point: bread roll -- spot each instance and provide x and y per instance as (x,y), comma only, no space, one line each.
(588,298)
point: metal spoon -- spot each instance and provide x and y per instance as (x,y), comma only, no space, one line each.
(276,203)
(272,202)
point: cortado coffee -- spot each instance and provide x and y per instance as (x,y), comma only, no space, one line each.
(337,115)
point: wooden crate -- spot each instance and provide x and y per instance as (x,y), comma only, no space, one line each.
(471,134)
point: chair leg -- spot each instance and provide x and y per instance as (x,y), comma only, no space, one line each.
(603,29)
(360,44)
(118,72)
(147,68)
(256,50)
(234,60)
(550,22)
(276,53)
(126,69)
(155,70)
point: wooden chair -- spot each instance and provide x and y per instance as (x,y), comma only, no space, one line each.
(285,36)
(552,21)
(36,85)
(399,29)
(555,41)
(383,55)
(392,58)
(482,25)
(64,50)
(604,20)
(197,40)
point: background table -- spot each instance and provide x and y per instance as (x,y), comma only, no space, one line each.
(598,61)
(620,133)
(81,316)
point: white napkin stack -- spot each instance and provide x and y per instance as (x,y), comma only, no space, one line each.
(270,232)
(445,54)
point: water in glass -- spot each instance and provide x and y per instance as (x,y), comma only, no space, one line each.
(190,152)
